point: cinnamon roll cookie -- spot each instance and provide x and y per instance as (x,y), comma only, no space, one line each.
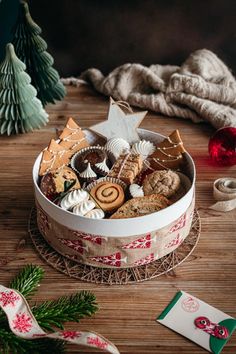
(108,196)
(162,182)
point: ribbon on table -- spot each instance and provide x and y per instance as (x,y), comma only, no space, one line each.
(224,192)
(23,324)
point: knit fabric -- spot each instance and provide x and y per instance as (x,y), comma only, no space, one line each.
(201,89)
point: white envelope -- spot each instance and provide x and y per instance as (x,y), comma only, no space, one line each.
(203,324)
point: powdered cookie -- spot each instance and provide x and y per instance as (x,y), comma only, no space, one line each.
(141,206)
(161,182)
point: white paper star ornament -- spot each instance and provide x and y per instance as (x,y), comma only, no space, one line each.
(119,124)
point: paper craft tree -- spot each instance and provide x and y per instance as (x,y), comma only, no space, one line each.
(20,110)
(31,49)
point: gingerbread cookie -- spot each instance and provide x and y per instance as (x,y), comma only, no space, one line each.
(127,167)
(161,182)
(56,155)
(72,138)
(169,153)
(108,196)
(53,157)
(141,206)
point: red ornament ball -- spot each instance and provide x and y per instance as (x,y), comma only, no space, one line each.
(222,146)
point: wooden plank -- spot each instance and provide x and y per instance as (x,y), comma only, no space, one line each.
(127,313)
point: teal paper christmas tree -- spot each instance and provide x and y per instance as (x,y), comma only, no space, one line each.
(31,49)
(20,110)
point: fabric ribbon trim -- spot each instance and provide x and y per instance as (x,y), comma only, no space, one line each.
(23,324)
(224,192)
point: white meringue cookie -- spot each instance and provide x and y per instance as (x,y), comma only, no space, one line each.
(143,148)
(116,146)
(72,198)
(102,166)
(88,173)
(84,207)
(136,190)
(95,214)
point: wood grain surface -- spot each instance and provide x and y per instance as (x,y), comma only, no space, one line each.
(127,313)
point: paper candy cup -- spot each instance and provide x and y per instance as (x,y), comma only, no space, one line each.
(116,243)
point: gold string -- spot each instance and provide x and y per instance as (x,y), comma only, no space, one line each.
(124,104)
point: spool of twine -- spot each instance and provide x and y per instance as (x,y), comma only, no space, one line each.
(224,192)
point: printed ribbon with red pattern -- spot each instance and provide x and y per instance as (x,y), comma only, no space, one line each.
(214,329)
(23,324)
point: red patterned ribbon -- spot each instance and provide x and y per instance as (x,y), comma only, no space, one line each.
(24,325)
(211,328)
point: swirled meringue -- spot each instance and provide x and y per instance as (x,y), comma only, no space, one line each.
(102,167)
(84,207)
(143,148)
(116,146)
(136,190)
(95,214)
(88,173)
(74,197)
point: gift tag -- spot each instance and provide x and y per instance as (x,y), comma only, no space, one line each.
(201,323)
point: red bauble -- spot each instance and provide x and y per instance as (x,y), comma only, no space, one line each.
(222,146)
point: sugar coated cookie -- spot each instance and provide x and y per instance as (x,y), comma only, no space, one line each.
(165,182)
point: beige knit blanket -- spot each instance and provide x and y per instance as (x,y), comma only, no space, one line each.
(201,89)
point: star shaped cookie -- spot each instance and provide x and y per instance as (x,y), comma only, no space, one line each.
(119,124)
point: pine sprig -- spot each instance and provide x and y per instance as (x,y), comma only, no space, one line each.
(27,280)
(55,313)
(49,314)
(11,344)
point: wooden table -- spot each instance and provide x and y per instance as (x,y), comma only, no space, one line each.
(127,313)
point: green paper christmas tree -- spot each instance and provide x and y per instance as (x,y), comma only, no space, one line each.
(31,49)
(20,110)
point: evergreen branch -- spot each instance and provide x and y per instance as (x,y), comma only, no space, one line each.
(51,314)
(11,344)
(27,280)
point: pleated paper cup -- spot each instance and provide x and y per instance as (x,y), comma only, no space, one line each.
(106,179)
(74,158)
(117,243)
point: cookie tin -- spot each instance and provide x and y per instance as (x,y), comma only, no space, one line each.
(117,242)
